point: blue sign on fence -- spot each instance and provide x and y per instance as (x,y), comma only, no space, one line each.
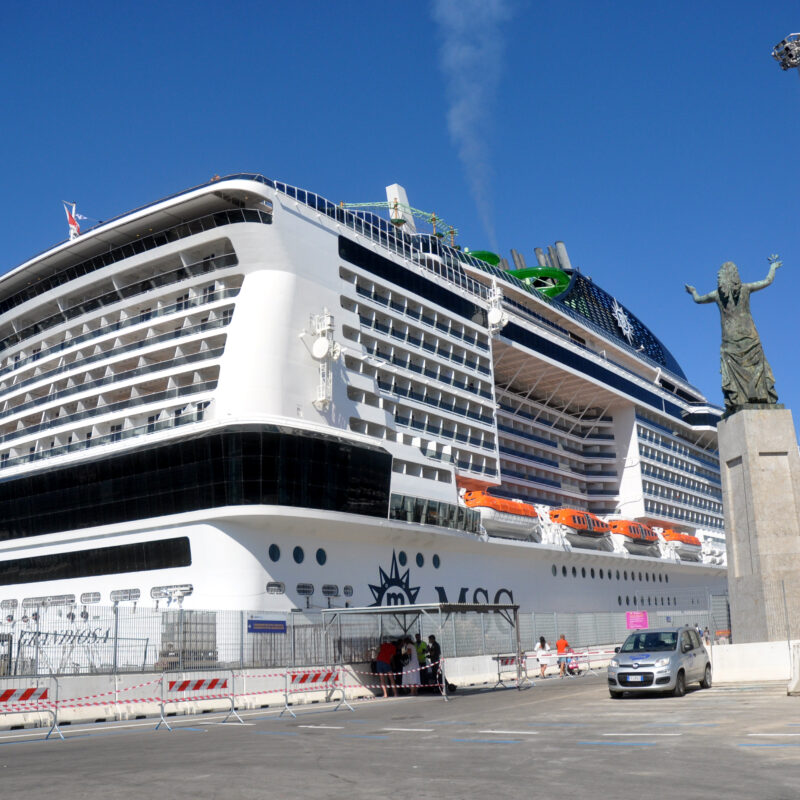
(266,626)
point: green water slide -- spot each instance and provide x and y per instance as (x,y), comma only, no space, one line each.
(549,281)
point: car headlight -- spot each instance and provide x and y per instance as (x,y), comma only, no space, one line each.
(614,663)
(662,662)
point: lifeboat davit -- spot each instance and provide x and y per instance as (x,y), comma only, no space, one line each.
(638,538)
(505,517)
(582,528)
(687,547)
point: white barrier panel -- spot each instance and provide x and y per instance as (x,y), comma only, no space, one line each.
(753,661)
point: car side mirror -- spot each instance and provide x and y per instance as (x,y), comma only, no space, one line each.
(616,649)
(686,648)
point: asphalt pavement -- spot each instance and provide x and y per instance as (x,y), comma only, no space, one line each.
(561,737)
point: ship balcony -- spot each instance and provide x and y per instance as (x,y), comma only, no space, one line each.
(711,492)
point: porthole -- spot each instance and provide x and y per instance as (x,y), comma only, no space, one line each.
(298,555)
(554,570)
(591,572)
(564,571)
(634,600)
(617,574)
(625,574)
(322,557)
(668,601)
(601,574)
(660,577)
(640,576)
(583,572)
(675,601)
(647,577)
(402,558)
(436,562)
(276,587)
(654,577)
(347,591)
(633,576)
(574,572)
(666,579)
(274,552)
(420,560)
(627,600)
(619,600)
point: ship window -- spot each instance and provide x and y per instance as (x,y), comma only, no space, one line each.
(619,600)
(276,587)
(298,555)
(574,572)
(564,571)
(158,554)
(241,465)
(125,595)
(625,574)
(583,572)
(436,562)
(666,579)
(634,600)
(617,574)
(90,598)
(627,600)
(554,570)
(402,558)
(274,552)
(591,572)
(660,577)
(640,576)
(646,577)
(420,560)
(601,574)
(322,556)
(347,591)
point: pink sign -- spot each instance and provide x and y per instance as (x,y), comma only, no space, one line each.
(635,620)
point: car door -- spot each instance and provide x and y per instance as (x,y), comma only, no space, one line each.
(688,657)
(700,656)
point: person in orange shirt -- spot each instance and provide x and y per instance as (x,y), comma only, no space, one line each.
(562,645)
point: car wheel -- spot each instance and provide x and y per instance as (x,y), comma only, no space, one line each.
(680,686)
(615,695)
(706,682)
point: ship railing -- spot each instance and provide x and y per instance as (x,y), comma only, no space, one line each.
(199,268)
(155,397)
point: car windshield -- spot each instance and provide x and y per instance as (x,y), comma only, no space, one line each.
(646,642)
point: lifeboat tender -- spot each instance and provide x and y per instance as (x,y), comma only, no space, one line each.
(687,547)
(582,528)
(638,538)
(503,516)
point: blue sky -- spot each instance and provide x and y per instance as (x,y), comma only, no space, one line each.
(656,139)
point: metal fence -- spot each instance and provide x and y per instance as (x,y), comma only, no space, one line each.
(59,640)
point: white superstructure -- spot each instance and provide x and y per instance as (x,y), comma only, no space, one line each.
(245,396)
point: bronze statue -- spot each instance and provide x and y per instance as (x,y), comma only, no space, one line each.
(747,379)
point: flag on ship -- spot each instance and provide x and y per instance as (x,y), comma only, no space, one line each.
(72,220)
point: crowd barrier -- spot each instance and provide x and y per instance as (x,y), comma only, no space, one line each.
(327,679)
(33,695)
(511,664)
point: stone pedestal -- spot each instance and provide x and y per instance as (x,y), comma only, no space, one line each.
(760,468)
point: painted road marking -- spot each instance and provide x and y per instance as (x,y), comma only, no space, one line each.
(770,744)
(410,730)
(364,736)
(276,733)
(642,733)
(514,733)
(324,727)
(773,734)
(623,744)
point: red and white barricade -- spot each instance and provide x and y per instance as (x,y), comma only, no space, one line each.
(320,679)
(17,696)
(195,689)
(514,664)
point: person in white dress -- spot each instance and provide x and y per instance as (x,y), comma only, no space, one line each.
(411,669)
(542,651)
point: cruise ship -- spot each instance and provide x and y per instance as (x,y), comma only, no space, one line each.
(245,396)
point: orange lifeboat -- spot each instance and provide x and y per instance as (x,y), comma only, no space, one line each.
(582,522)
(682,538)
(478,499)
(634,531)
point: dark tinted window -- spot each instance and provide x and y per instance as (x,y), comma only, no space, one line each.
(138,557)
(242,465)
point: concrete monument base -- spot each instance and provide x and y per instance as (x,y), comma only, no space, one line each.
(760,467)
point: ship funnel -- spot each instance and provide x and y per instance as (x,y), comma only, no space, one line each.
(399,209)
(540,259)
(519,260)
(561,255)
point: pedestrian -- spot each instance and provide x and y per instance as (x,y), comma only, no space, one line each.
(434,659)
(411,669)
(542,649)
(383,665)
(562,645)
(422,653)
(707,637)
